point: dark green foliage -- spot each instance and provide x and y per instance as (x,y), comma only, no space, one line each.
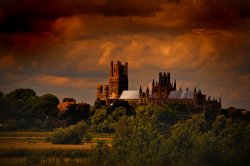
(100,154)
(73,134)
(21,94)
(104,120)
(141,140)
(183,108)
(88,137)
(24,107)
(99,104)
(45,106)
(75,113)
(129,107)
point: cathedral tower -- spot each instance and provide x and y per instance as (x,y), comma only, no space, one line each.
(118,79)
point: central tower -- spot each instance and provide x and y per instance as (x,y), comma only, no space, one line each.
(118,79)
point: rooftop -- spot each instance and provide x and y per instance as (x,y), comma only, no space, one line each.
(130,94)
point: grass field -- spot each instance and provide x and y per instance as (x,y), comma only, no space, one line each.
(14,146)
(23,134)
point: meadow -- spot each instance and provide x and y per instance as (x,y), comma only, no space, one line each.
(16,146)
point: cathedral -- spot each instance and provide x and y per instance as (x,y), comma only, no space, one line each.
(163,91)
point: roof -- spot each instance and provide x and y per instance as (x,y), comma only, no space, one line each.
(181,95)
(129,95)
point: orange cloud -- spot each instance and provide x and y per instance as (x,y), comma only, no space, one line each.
(50,80)
(7,61)
(69,27)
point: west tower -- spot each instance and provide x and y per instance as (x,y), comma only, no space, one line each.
(118,79)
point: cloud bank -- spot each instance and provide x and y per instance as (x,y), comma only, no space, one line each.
(64,47)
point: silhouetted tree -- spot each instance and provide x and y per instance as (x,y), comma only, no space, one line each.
(75,113)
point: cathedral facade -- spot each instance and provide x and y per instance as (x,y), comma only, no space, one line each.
(118,82)
(163,91)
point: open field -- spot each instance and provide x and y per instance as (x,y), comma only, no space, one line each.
(40,145)
(23,134)
(37,140)
(14,146)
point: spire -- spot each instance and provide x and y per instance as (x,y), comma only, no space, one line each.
(168,75)
(153,84)
(147,92)
(199,90)
(140,91)
(195,89)
(187,88)
(175,84)
(160,79)
(180,88)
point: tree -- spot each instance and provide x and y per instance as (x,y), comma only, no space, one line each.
(21,94)
(75,113)
(45,106)
(99,116)
(99,103)
(73,134)
(4,107)
(130,109)
(101,153)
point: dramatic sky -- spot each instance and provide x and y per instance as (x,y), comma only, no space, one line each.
(64,46)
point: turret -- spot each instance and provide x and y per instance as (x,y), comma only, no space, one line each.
(180,88)
(147,92)
(118,69)
(105,90)
(99,89)
(164,79)
(195,89)
(187,89)
(126,66)
(208,99)
(153,83)
(111,69)
(199,91)
(168,75)
(174,84)
(140,92)
(160,79)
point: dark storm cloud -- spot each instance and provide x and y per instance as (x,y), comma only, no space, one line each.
(59,8)
(18,22)
(64,46)
(29,15)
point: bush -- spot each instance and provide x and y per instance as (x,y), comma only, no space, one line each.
(73,134)
(88,137)
(11,125)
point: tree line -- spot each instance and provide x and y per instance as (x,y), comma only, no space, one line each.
(174,134)
(23,109)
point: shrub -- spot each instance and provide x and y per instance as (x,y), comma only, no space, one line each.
(71,135)
(11,125)
(88,137)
